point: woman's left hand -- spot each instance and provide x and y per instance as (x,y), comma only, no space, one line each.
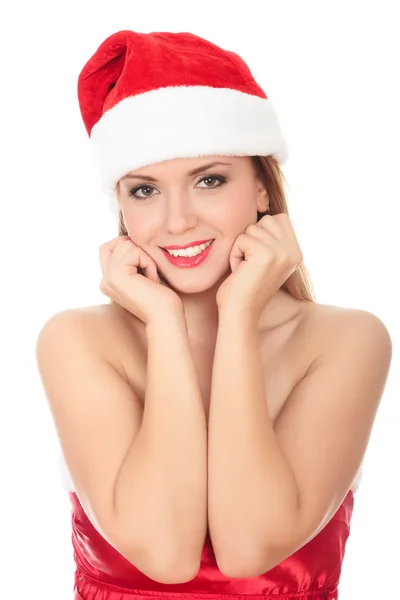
(261,259)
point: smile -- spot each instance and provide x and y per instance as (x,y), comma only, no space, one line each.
(190,250)
(191,256)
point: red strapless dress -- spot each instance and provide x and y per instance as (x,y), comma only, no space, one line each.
(311,573)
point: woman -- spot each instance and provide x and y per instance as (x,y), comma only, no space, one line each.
(213,426)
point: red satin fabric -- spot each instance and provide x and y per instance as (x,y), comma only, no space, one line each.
(311,573)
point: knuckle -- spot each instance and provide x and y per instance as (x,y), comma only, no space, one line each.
(252,228)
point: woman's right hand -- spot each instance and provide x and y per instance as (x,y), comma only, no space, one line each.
(142,295)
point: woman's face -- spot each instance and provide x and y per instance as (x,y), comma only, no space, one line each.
(187,201)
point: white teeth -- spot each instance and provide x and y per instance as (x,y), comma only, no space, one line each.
(191,251)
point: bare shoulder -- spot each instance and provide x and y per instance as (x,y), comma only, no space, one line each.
(108,326)
(327,325)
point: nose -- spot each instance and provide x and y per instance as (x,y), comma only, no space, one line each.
(180,214)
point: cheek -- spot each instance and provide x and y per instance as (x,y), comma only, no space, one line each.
(142,225)
(236,213)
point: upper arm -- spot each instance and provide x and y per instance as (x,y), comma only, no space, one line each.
(96,413)
(325,425)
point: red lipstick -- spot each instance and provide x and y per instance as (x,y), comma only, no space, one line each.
(185,262)
(185,245)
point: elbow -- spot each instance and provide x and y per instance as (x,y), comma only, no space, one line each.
(165,569)
(162,566)
(176,571)
(243,565)
(253,564)
(162,560)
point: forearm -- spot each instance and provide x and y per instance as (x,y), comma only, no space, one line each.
(161,492)
(251,489)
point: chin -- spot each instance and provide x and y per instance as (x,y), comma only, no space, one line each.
(185,283)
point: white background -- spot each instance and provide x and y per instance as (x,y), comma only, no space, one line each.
(331,71)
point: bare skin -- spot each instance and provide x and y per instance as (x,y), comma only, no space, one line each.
(291,334)
(177,209)
(230,320)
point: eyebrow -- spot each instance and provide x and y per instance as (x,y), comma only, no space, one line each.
(193,172)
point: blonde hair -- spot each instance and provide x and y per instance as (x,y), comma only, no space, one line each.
(299,284)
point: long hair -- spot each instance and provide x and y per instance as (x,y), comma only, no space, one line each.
(299,284)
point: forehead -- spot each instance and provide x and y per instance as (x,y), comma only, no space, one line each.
(186,165)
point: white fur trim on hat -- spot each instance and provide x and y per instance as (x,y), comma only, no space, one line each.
(183,122)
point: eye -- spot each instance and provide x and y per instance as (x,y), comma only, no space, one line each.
(219,178)
(207,178)
(134,191)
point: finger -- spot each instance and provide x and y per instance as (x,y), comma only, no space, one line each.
(121,250)
(106,250)
(259,233)
(280,227)
(243,248)
(148,266)
(278,224)
(128,254)
(273,225)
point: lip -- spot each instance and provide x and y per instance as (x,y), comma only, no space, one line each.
(174,247)
(187,262)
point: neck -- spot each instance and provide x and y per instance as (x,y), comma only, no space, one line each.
(201,312)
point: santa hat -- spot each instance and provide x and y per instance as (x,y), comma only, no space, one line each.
(149,97)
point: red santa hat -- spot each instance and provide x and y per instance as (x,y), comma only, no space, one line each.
(149,97)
